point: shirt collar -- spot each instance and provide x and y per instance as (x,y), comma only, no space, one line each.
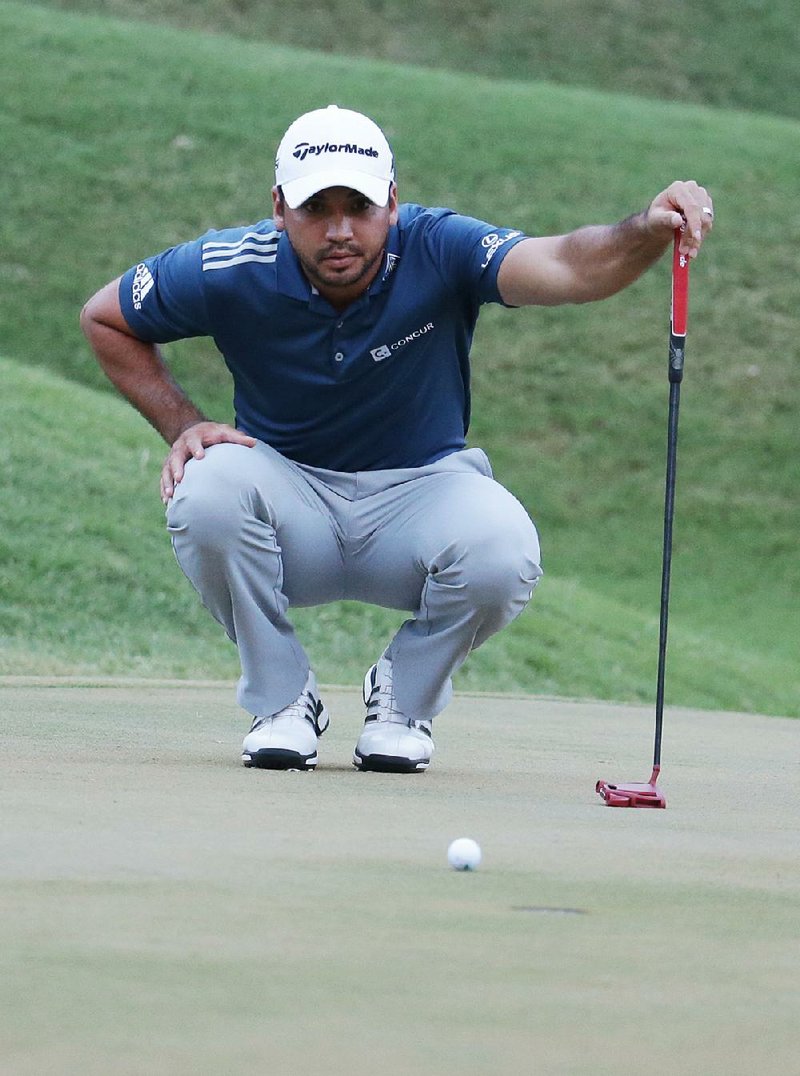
(391,256)
(291,280)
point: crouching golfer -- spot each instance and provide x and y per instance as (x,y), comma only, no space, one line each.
(346,320)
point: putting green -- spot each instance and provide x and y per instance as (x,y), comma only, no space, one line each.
(167,911)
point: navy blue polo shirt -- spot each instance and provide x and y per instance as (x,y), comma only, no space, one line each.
(384,383)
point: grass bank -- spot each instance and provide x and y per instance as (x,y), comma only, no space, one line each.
(701,51)
(123,138)
(88,584)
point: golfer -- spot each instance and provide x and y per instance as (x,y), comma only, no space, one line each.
(346,321)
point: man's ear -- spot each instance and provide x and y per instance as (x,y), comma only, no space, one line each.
(393,204)
(278,206)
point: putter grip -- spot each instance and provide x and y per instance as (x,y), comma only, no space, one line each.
(679,312)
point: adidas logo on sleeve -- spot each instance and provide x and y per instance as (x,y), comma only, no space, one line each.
(142,283)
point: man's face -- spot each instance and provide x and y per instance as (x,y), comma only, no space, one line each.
(339,236)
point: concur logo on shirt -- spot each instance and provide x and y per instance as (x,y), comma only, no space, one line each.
(306,149)
(385,350)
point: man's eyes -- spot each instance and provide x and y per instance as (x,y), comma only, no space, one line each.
(357,205)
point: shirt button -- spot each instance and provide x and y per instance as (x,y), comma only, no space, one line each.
(338,356)
(339,324)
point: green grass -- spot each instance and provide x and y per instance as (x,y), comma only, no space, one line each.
(88,583)
(743,55)
(167,912)
(571,404)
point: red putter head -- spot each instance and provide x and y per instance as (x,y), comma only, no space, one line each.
(633,795)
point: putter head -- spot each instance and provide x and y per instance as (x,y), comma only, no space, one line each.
(632,795)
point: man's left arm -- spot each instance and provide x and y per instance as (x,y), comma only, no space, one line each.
(599,260)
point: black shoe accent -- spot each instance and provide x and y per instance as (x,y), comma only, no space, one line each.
(387,764)
(280,759)
(318,709)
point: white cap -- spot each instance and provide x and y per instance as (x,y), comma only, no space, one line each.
(334,147)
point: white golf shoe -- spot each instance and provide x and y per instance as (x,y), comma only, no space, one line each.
(287,740)
(390,742)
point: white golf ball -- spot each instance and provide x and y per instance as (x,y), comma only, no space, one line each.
(464,854)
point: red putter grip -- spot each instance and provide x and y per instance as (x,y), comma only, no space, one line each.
(679,312)
(680,288)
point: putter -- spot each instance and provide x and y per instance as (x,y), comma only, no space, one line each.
(648,794)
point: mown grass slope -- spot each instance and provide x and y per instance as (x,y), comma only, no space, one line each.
(122,139)
(88,583)
(743,55)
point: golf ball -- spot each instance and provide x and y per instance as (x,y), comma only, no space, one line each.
(464,854)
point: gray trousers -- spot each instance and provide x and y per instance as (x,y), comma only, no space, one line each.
(256,534)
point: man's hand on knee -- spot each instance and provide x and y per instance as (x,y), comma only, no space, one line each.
(192,444)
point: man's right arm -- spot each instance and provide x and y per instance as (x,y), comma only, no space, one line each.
(136,368)
(598,261)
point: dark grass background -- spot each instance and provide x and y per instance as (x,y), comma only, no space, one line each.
(122,137)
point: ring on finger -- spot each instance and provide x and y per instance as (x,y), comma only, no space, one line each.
(707,210)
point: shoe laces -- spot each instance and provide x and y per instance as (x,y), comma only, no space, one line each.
(381,705)
(306,707)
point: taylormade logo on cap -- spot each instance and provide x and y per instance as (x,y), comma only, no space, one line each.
(334,147)
(302,150)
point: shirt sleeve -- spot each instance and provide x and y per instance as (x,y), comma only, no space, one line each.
(162,298)
(469,252)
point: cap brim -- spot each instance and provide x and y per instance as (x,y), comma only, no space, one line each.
(297,191)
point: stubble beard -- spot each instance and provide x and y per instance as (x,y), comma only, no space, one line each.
(329,277)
